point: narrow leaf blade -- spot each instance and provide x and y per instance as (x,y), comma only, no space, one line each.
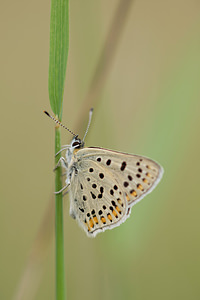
(59,46)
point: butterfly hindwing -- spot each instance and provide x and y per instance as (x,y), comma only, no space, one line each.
(97,199)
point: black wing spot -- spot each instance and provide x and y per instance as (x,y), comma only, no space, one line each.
(100,212)
(84,198)
(99,159)
(113,203)
(130,177)
(123,166)
(94,185)
(126,183)
(93,195)
(81,209)
(108,162)
(81,186)
(111,192)
(91,170)
(101,175)
(115,187)
(104,207)
(138,175)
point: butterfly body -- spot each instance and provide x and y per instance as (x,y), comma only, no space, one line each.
(105,184)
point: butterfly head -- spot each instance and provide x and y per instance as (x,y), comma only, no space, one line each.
(77,143)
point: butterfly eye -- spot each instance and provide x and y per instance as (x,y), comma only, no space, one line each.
(75,144)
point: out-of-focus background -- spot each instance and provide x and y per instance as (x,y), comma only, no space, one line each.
(149,105)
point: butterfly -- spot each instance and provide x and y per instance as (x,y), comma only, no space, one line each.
(105,184)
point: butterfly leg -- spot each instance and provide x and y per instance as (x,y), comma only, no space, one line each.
(61,162)
(65,147)
(58,192)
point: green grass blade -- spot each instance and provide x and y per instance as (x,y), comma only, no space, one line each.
(59,45)
(59,237)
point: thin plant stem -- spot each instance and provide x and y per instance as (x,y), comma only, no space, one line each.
(59,236)
(58,54)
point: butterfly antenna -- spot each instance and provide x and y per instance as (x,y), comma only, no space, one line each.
(58,122)
(90,118)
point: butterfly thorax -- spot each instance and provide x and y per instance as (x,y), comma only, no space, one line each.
(75,146)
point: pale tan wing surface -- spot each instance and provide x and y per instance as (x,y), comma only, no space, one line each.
(97,200)
(136,175)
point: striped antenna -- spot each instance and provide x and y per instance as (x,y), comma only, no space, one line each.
(58,122)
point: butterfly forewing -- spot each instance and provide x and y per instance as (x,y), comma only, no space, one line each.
(98,201)
(137,175)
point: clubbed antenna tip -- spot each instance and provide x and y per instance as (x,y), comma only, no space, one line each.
(89,121)
(46,113)
(58,122)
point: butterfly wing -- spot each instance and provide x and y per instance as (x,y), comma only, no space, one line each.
(107,184)
(137,175)
(97,200)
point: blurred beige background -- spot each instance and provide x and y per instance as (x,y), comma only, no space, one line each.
(149,105)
